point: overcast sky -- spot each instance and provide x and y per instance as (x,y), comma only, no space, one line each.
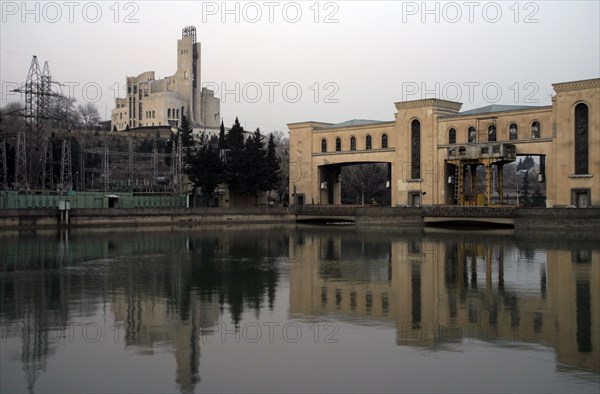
(274,63)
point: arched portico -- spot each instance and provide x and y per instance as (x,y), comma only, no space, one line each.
(330,181)
(421,146)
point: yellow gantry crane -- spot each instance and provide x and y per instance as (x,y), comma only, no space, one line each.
(471,156)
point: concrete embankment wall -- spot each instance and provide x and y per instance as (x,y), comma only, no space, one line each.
(388,216)
(525,220)
(557,219)
(48,218)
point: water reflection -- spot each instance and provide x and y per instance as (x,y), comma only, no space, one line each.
(172,289)
(163,288)
(454,287)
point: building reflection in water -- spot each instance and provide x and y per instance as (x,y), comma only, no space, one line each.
(439,289)
(168,289)
(165,289)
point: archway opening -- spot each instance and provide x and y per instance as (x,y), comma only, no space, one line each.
(366,184)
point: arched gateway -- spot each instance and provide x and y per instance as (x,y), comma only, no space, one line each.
(433,151)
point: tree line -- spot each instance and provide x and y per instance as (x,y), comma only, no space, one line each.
(249,165)
(61,113)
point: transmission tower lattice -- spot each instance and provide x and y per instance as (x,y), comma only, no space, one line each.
(105,163)
(130,163)
(38,92)
(154,162)
(48,164)
(21,161)
(177,164)
(66,175)
(81,180)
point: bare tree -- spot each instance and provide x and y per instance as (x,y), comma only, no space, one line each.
(364,183)
(88,115)
(63,113)
(11,117)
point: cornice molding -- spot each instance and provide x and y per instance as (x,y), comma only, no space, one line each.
(435,103)
(576,85)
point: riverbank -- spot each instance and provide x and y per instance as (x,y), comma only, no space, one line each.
(48,218)
(522,220)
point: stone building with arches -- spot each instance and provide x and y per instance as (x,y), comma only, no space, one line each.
(432,150)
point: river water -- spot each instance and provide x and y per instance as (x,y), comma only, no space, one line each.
(298,309)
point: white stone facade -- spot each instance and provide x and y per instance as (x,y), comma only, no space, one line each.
(151,102)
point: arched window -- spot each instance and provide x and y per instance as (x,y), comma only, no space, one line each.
(177,113)
(581,139)
(452,136)
(153,114)
(352,143)
(338,144)
(169,113)
(472,135)
(513,131)
(368,142)
(492,133)
(415,127)
(384,141)
(323,145)
(535,130)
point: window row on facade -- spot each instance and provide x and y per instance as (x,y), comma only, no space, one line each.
(368,143)
(173,113)
(354,301)
(580,127)
(513,133)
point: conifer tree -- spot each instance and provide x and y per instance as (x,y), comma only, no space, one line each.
(222,144)
(255,158)
(235,167)
(186,132)
(234,139)
(272,170)
(206,170)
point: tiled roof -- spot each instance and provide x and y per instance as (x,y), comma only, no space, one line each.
(495,108)
(355,122)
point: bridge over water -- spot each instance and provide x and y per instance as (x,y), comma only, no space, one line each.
(428,215)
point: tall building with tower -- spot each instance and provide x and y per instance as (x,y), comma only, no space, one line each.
(159,102)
